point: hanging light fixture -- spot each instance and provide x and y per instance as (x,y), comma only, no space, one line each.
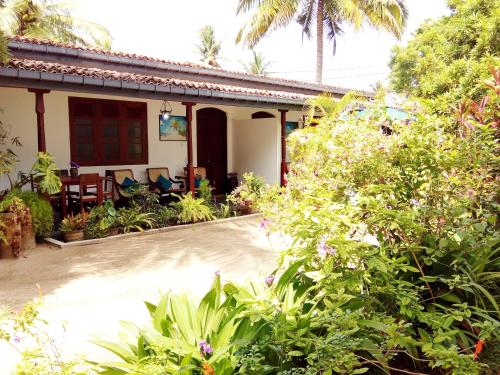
(165,110)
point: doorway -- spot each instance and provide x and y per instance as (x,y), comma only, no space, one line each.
(211,139)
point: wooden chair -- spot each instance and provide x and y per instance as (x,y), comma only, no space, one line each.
(118,176)
(88,190)
(154,173)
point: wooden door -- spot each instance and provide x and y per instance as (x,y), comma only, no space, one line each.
(211,136)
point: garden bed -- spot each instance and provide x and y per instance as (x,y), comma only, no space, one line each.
(62,245)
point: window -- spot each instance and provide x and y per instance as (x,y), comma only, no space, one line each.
(108,132)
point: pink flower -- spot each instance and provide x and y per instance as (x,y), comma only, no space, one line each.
(264,223)
(269,280)
(324,249)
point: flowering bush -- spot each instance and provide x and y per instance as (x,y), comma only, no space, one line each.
(395,245)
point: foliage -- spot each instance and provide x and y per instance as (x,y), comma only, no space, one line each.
(447,58)
(248,193)
(52,20)
(26,333)
(8,157)
(45,173)
(258,64)
(101,220)
(182,337)
(205,190)
(395,241)
(333,15)
(42,214)
(191,210)
(131,219)
(209,47)
(4,51)
(223,211)
(74,222)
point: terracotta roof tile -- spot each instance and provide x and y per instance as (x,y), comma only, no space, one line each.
(49,67)
(207,68)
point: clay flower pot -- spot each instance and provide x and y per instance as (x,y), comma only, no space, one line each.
(27,234)
(73,172)
(75,235)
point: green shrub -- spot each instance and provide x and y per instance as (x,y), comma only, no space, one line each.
(182,337)
(192,210)
(41,212)
(101,220)
(132,220)
(248,194)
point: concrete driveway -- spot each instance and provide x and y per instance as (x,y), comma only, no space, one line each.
(89,289)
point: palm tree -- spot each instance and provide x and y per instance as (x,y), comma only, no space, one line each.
(52,20)
(269,15)
(258,65)
(4,52)
(209,47)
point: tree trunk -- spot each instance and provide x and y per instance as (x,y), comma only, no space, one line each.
(319,41)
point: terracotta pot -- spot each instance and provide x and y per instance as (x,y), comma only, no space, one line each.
(76,235)
(113,231)
(73,172)
(246,210)
(12,232)
(27,234)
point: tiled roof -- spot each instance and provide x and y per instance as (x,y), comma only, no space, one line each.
(206,68)
(50,67)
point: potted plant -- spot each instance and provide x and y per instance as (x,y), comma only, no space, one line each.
(245,196)
(11,209)
(73,169)
(72,227)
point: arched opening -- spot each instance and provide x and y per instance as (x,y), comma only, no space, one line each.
(211,141)
(262,114)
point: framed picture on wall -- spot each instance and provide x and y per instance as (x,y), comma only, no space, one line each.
(173,128)
(290,127)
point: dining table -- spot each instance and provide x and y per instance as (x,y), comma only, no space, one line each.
(68,181)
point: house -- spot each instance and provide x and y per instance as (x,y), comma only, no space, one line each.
(101,109)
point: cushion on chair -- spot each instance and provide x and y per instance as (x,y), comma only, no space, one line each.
(163,183)
(128,182)
(197,182)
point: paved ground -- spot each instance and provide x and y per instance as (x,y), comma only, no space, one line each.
(90,288)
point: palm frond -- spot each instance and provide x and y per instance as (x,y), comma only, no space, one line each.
(386,14)
(326,104)
(269,15)
(306,17)
(4,51)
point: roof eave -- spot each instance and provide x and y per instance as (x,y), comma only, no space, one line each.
(11,77)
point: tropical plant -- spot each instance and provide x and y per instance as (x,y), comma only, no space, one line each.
(132,220)
(209,47)
(258,64)
(52,20)
(42,213)
(191,210)
(74,222)
(395,239)
(269,15)
(248,193)
(182,337)
(28,334)
(101,220)
(4,50)
(449,57)
(205,190)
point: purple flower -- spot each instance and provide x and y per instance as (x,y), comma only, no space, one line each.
(16,339)
(217,273)
(74,164)
(414,202)
(205,349)
(264,223)
(324,249)
(269,280)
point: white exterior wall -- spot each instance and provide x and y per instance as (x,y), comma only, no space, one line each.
(253,145)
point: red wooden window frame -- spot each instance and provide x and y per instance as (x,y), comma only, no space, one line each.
(127,113)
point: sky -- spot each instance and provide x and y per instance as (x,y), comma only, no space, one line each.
(169,29)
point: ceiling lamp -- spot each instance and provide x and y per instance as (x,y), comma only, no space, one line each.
(165,110)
